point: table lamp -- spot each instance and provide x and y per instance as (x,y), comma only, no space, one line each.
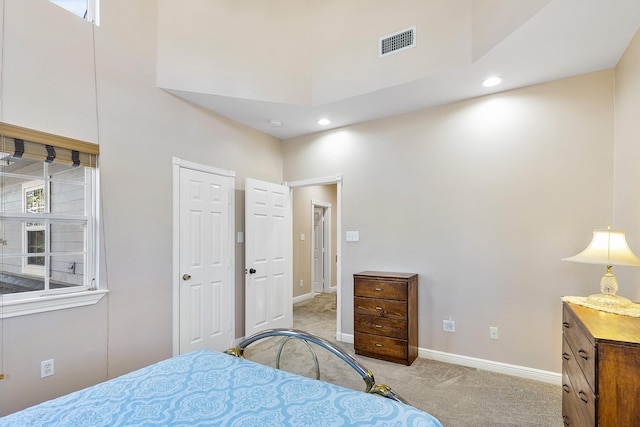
(608,247)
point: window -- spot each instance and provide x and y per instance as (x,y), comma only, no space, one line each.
(48,224)
(33,241)
(86,9)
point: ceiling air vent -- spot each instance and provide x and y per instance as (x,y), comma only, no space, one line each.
(401,40)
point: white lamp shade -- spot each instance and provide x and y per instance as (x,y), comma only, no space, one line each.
(608,247)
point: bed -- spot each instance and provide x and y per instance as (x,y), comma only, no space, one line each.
(213,388)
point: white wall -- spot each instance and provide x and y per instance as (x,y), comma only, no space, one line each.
(345,44)
(239,48)
(481,198)
(140,129)
(61,100)
(626,159)
(314,52)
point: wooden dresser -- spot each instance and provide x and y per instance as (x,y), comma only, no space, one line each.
(385,307)
(600,368)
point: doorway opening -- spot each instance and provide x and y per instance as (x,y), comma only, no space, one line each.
(316,243)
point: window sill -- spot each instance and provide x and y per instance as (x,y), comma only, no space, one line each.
(21,307)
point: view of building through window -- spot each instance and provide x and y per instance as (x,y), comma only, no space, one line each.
(34,203)
(47,225)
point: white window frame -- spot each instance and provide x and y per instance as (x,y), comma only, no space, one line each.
(24,303)
(31,269)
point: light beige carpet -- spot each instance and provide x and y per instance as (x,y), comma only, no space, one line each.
(456,395)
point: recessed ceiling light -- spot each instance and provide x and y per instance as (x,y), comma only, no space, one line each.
(275,123)
(324,122)
(492,81)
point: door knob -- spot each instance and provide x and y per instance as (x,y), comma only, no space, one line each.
(252,271)
(186,276)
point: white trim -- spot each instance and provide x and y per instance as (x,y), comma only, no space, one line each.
(202,168)
(93,11)
(492,366)
(348,338)
(303,297)
(21,307)
(337,180)
(483,364)
(327,180)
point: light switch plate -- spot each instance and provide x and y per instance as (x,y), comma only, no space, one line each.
(353,236)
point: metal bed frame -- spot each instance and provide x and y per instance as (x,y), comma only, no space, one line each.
(306,337)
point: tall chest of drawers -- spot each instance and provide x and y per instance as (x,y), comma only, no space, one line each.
(600,368)
(385,307)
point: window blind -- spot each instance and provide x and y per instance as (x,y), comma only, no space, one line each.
(16,140)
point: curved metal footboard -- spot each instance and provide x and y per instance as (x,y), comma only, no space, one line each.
(367,375)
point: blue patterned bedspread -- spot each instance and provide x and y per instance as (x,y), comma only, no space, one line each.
(206,388)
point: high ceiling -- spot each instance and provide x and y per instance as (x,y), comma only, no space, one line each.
(563,38)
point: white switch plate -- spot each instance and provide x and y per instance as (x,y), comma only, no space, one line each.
(353,236)
(240,237)
(301,236)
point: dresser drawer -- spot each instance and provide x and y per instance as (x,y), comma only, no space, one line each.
(581,345)
(571,415)
(380,289)
(376,345)
(577,392)
(381,308)
(380,326)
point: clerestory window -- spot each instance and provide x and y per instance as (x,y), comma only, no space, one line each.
(48,220)
(86,9)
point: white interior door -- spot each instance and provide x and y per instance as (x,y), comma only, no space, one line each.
(268,252)
(317,249)
(206,296)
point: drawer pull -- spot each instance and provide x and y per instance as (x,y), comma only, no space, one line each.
(379,308)
(583,396)
(378,289)
(583,354)
(565,324)
(565,355)
(379,326)
(379,345)
(565,420)
(566,388)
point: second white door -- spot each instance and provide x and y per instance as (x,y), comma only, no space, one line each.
(268,252)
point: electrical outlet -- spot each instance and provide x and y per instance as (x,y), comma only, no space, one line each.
(448,325)
(301,282)
(493,332)
(46,368)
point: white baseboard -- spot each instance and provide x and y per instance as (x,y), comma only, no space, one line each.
(483,364)
(492,366)
(303,297)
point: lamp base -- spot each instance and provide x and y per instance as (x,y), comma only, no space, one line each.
(609,300)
